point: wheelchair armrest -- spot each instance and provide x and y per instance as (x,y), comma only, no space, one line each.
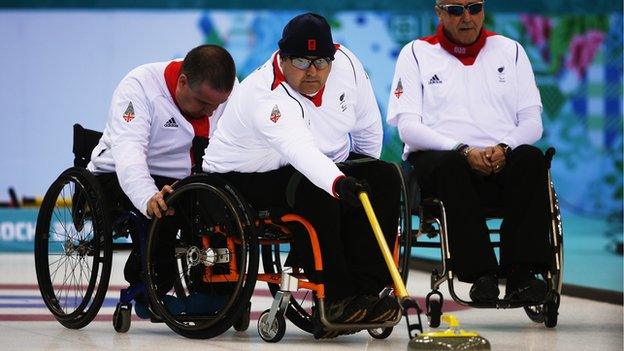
(550,153)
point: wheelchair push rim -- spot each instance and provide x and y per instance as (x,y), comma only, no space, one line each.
(214,255)
(73,248)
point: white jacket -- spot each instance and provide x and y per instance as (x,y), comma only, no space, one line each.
(268,125)
(146,134)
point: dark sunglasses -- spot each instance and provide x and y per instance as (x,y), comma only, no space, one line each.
(458,10)
(304,63)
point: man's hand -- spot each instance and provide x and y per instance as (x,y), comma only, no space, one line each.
(478,161)
(156,205)
(496,155)
(348,189)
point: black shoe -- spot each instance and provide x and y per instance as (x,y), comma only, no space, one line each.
(348,310)
(485,289)
(523,286)
(385,309)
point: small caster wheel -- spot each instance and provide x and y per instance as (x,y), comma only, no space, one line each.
(274,332)
(243,321)
(535,313)
(434,311)
(122,317)
(380,333)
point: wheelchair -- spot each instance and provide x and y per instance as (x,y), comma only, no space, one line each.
(269,234)
(432,216)
(74,248)
(210,247)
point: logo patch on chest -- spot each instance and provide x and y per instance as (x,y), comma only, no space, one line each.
(501,74)
(399,89)
(171,123)
(435,80)
(342,102)
(275,114)
(129,114)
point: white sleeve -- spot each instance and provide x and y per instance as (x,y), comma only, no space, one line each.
(529,128)
(405,106)
(289,136)
(367,135)
(420,137)
(529,111)
(129,141)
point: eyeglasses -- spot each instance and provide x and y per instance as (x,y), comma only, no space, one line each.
(303,63)
(458,10)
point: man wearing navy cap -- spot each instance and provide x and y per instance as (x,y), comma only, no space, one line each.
(310,106)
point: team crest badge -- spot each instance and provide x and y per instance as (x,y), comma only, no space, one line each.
(399,89)
(129,114)
(275,114)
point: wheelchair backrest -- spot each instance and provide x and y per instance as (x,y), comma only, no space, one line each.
(85,140)
(197,151)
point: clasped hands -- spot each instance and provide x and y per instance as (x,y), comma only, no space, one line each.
(488,160)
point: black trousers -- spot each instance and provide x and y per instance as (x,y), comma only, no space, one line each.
(352,261)
(116,202)
(520,189)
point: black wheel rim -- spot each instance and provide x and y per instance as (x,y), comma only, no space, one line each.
(198,207)
(70,251)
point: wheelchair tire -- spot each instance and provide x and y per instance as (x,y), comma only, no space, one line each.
(211,222)
(275,332)
(551,315)
(73,256)
(558,234)
(434,312)
(299,310)
(380,333)
(122,317)
(535,313)
(404,227)
(242,323)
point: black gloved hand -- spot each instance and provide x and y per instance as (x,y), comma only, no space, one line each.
(348,189)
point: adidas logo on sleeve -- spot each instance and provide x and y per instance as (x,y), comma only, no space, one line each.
(171,123)
(435,80)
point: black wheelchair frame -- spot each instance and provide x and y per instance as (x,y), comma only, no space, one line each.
(432,215)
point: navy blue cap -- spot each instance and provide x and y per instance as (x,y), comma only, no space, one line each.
(307,35)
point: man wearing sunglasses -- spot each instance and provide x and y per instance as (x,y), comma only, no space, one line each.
(310,106)
(468,109)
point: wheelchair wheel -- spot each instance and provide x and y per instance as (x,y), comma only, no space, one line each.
(242,323)
(122,317)
(535,313)
(557,234)
(73,248)
(551,312)
(404,233)
(300,305)
(202,261)
(380,333)
(273,333)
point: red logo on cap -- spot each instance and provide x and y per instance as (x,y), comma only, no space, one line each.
(312,44)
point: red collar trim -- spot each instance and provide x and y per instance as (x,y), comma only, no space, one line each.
(278,78)
(201,126)
(466,54)
(172,72)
